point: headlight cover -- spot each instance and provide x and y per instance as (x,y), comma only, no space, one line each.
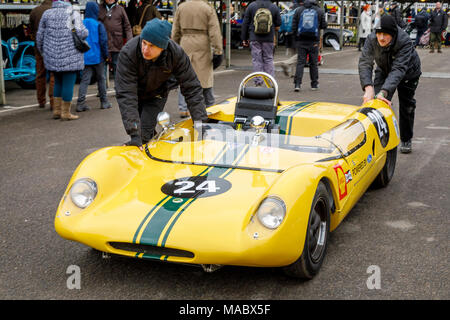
(83,192)
(271,212)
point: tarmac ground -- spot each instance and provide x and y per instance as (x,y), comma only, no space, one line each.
(403,230)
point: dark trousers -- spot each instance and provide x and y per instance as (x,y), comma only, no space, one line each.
(361,43)
(148,111)
(41,81)
(313,52)
(419,35)
(407,104)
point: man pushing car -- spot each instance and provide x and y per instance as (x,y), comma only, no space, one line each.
(148,67)
(398,68)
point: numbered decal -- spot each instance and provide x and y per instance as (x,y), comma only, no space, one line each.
(196,187)
(379,122)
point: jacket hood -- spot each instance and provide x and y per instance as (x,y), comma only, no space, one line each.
(91,10)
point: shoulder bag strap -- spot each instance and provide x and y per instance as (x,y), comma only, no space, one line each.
(143,14)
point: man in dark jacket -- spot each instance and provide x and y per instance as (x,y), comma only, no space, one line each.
(421,24)
(41,72)
(398,68)
(395,12)
(438,23)
(148,67)
(262,36)
(307,41)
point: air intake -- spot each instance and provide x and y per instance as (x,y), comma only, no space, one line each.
(149,249)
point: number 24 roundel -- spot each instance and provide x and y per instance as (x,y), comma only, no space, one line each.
(196,187)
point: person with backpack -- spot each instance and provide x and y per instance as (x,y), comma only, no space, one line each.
(262,20)
(307,22)
(421,24)
(288,65)
(94,58)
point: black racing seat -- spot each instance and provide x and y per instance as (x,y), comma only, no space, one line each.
(256,101)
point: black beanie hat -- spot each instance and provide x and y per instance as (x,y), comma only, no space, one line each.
(387,25)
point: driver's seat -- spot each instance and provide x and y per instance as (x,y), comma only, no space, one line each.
(257,101)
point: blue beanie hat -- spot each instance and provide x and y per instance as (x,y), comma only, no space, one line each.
(157,32)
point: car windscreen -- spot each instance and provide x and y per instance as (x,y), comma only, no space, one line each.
(221,145)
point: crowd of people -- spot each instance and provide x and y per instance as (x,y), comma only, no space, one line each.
(150,56)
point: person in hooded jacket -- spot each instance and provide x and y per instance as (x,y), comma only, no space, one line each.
(94,58)
(398,68)
(54,41)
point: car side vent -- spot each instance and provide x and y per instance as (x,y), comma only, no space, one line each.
(152,250)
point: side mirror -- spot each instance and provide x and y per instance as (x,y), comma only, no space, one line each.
(163,120)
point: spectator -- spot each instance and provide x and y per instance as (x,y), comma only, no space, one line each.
(196,28)
(365,25)
(41,72)
(397,15)
(421,24)
(118,28)
(400,73)
(289,64)
(144,11)
(261,32)
(148,67)
(438,23)
(308,37)
(55,42)
(381,12)
(94,58)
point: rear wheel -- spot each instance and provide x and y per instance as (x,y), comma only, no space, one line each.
(386,174)
(315,246)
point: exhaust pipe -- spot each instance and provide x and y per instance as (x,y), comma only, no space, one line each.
(211,267)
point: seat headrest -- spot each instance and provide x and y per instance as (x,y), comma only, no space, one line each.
(258,93)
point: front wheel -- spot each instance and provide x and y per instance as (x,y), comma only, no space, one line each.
(316,241)
(386,174)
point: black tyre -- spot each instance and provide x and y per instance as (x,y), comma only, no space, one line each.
(386,174)
(327,37)
(316,242)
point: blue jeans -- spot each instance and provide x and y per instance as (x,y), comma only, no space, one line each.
(64,84)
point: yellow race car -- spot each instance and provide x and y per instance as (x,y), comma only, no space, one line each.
(261,184)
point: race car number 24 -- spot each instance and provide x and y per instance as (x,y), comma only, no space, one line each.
(196,187)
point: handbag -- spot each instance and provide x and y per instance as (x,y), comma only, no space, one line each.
(80,44)
(137,29)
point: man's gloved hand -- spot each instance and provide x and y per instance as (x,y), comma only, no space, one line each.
(135,141)
(217,60)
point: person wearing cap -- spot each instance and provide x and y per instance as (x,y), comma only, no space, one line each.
(395,12)
(150,65)
(398,68)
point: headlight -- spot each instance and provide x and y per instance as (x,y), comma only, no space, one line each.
(271,212)
(83,192)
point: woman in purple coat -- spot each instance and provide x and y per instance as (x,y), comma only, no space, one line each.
(55,43)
